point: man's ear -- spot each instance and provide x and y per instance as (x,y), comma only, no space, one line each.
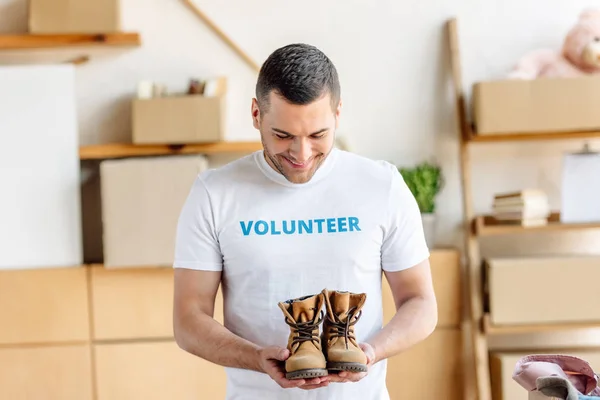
(338,113)
(255,114)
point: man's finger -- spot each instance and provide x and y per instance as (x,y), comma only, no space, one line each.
(338,377)
(290,383)
(310,387)
(275,353)
(355,377)
(351,376)
(316,381)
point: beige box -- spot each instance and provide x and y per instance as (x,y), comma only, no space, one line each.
(135,303)
(178,120)
(538,290)
(432,369)
(536,106)
(74,16)
(44,306)
(46,372)
(141,202)
(438,358)
(155,371)
(446,276)
(132,303)
(502,365)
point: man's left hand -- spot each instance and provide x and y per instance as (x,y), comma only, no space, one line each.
(346,376)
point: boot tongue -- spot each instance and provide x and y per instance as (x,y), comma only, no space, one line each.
(341,304)
(304,310)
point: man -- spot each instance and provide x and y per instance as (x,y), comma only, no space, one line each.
(241,227)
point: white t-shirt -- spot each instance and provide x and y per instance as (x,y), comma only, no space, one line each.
(275,240)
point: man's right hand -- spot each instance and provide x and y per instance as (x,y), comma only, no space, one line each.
(271,361)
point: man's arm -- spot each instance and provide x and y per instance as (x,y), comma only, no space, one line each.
(197,332)
(416,311)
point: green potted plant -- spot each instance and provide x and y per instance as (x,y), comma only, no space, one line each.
(425,180)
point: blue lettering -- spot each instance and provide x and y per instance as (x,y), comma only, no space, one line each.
(320,225)
(274,230)
(300,226)
(330,225)
(261,231)
(246,228)
(342,224)
(289,231)
(306,226)
(353,224)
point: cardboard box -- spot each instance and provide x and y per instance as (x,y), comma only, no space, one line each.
(63,371)
(178,120)
(154,370)
(539,290)
(536,106)
(446,276)
(502,365)
(439,357)
(74,16)
(432,369)
(181,119)
(44,306)
(141,202)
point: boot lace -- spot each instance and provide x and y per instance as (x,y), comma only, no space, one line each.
(342,329)
(305,331)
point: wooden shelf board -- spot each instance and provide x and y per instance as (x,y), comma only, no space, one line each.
(491,329)
(46,41)
(119,150)
(526,136)
(487,225)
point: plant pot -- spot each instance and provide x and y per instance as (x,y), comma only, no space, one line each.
(429,226)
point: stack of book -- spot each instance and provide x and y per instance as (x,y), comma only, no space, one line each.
(528,207)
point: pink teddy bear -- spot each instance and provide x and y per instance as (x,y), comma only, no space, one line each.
(580,53)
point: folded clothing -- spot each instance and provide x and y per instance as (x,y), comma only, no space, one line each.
(574,370)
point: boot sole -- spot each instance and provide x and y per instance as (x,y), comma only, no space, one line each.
(346,366)
(307,373)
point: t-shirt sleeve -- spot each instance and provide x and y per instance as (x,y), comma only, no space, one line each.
(196,242)
(404,244)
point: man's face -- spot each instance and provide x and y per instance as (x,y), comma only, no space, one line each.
(296,138)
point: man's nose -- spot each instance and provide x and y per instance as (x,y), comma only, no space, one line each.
(301,149)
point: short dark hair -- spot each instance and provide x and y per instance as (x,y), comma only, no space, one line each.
(300,73)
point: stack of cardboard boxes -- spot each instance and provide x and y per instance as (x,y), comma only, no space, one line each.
(74,16)
(142,198)
(106,334)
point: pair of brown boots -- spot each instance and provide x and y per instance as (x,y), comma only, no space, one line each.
(313,353)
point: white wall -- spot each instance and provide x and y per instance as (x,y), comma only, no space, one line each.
(40,218)
(393,62)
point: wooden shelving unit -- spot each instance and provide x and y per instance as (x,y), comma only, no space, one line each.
(119,150)
(487,225)
(478,326)
(76,49)
(543,136)
(30,41)
(491,329)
